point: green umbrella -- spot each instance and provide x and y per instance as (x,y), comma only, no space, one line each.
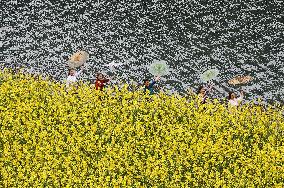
(159,68)
(209,75)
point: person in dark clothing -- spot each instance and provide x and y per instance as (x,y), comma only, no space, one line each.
(150,86)
(203,93)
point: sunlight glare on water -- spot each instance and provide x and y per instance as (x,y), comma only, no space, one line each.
(243,38)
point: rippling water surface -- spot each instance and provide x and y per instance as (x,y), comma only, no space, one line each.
(236,37)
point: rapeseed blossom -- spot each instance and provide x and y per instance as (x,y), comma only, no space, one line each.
(117,138)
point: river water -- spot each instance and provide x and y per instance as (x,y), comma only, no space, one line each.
(236,37)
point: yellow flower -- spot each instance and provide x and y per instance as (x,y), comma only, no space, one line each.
(118,138)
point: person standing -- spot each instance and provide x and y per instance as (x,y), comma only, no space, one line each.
(72,77)
(150,86)
(203,93)
(100,81)
(233,100)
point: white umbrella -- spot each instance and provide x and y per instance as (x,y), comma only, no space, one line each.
(209,75)
(78,59)
(240,80)
(159,68)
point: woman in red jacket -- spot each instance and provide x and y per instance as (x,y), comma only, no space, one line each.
(100,81)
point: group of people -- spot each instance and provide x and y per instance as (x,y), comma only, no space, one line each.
(73,74)
(101,82)
(233,99)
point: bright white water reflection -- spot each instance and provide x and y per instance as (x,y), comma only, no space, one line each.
(243,38)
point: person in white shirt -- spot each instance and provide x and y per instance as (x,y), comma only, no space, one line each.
(72,77)
(233,100)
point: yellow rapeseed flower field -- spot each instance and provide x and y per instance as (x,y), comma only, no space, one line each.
(120,138)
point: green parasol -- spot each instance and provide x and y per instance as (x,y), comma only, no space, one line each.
(209,75)
(159,68)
